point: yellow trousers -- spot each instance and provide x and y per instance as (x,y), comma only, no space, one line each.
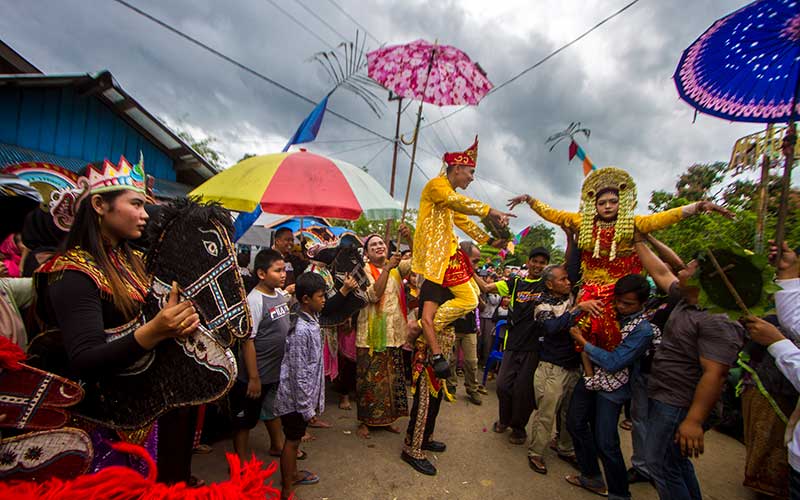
(464,301)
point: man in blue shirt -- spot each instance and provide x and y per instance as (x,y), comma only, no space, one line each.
(597,399)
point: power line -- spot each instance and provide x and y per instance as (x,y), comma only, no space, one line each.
(339,7)
(542,61)
(301,4)
(356,148)
(377,154)
(301,24)
(246,68)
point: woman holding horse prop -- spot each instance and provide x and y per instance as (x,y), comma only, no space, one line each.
(94,289)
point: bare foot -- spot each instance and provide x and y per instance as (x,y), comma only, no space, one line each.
(319,423)
(393,429)
(344,403)
(363,432)
(307,437)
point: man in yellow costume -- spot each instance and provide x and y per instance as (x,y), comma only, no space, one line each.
(436,255)
(605,227)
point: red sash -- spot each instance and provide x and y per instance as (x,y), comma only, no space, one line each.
(459,270)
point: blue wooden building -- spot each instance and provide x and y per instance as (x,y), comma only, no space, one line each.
(74,120)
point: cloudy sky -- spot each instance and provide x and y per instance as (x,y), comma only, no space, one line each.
(617,81)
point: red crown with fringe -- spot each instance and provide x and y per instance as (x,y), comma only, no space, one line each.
(468,158)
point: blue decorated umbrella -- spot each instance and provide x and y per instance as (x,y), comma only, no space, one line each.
(746,68)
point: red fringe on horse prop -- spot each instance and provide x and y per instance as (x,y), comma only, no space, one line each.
(247,482)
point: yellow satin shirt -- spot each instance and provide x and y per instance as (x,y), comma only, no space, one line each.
(435,240)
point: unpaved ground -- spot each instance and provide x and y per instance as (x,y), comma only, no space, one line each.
(478,463)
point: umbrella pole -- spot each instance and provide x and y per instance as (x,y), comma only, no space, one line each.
(780,229)
(789,142)
(763,195)
(413,158)
(416,136)
(399,100)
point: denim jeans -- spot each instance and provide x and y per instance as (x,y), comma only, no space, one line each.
(672,472)
(639,405)
(592,423)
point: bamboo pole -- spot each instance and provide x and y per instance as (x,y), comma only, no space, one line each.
(763,193)
(399,100)
(728,284)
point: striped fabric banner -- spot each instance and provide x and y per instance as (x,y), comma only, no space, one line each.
(576,150)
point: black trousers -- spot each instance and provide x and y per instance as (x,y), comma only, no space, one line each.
(515,388)
(425,414)
(175,444)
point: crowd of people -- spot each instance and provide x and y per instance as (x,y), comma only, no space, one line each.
(578,340)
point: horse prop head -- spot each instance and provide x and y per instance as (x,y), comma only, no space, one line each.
(190,243)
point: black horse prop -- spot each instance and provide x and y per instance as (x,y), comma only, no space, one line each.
(190,244)
(344,261)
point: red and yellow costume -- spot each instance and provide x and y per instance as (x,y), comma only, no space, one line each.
(607,252)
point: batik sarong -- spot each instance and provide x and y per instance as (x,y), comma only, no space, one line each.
(380,386)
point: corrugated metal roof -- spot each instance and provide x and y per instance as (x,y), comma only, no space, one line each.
(105,87)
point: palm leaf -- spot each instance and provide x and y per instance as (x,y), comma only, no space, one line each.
(345,67)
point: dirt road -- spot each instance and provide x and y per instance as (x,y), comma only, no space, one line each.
(478,463)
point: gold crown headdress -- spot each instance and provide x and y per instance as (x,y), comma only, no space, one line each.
(596,182)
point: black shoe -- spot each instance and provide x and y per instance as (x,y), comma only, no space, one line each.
(434,446)
(517,436)
(421,465)
(634,476)
(474,398)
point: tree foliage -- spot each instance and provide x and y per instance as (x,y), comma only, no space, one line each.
(540,235)
(205,147)
(364,227)
(706,182)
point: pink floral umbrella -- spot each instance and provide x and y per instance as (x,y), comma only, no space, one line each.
(428,72)
(437,74)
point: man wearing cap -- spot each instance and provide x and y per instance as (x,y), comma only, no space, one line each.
(436,254)
(522,346)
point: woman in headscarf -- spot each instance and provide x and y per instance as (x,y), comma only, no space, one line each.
(380,335)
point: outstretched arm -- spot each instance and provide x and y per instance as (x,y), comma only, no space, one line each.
(654,266)
(667,254)
(468,226)
(562,218)
(442,193)
(661,220)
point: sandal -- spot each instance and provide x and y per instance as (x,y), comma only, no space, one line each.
(580,482)
(499,428)
(537,464)
(202,449)
(308,478)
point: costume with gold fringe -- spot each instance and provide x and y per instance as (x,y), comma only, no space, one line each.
(607,251)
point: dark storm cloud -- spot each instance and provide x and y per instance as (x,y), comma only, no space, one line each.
(617,81)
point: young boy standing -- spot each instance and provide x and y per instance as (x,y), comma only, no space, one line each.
(301,394)
(260,356)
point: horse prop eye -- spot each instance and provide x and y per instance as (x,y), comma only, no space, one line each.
(211,247)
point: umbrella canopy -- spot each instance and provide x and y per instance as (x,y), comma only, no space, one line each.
(453,80)
(299,183)
(745,66)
